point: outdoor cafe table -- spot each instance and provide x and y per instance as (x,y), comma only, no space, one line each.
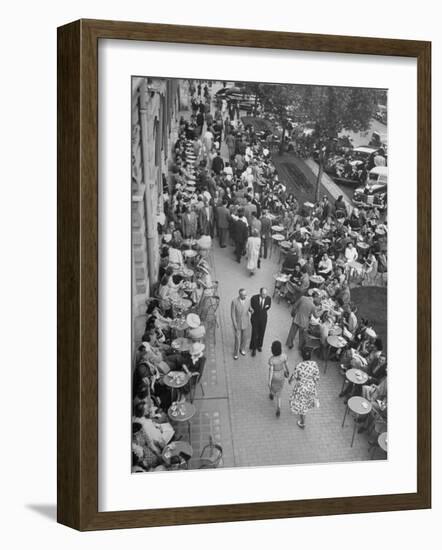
(356,377)
(277,228)
(175,380)
(335,330)
(182,412)
(359,407)
(336,342)
(178,326)
(181,344)
(281,280)
(176,448)
(382,441)
(189,243)
(316,280)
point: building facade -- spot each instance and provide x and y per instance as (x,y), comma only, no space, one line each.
(155,121)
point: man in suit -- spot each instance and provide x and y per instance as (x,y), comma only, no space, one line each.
(205,218)
(189,223)
(218,163)
(222,220)
(259,306)
(301,313)
(239,312)
(266,232)
(240,235)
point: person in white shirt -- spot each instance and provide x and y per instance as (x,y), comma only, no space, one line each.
(351,254)
(325,266)
(175,255)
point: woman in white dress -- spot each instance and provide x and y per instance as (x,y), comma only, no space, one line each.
(253,249)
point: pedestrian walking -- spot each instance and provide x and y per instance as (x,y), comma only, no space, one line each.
(240,234)
(278,372)
(239,312)
(301,313)
(259,306)
(253,250)
(223,222)
(304,395)
(266,232)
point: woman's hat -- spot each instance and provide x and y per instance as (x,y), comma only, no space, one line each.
(167,237)
(196,348)
(370,333)
(193,320)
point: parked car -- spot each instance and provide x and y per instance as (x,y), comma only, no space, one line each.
(374,192)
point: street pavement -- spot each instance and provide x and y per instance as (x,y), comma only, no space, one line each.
(259,438)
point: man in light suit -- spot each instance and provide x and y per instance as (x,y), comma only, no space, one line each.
(239,312)
(259,306)
(301,313)
(189,224)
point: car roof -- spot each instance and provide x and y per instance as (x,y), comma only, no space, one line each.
(380,170)
(365,149)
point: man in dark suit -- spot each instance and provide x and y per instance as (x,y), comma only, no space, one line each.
(266,232)
(222,221)
(240,235)
(259,306)
(218,164)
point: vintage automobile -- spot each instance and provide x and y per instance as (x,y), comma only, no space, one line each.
(374,192)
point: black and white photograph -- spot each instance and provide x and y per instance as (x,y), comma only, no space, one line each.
(259,274)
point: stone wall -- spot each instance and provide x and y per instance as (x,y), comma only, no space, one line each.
(155,110)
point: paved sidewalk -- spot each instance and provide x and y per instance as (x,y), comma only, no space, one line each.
(259,437)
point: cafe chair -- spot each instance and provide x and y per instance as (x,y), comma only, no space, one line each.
(211,457)
(312,343)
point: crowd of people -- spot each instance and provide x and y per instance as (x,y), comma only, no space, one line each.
(326,248)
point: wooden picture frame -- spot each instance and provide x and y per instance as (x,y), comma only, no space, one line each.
(78,274)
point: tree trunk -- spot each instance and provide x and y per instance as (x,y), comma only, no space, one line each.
(318,179)
(281,145)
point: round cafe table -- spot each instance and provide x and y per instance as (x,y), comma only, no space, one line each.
(359,407)
(190,254)
(335,342)
(182,412)
(281,280)
(336,330)
(181,344)
(357,377)
(277,228)
(382,441)
(316,280)
(176,448)
(189,243)
(287,245)
(178,326)
(175,380)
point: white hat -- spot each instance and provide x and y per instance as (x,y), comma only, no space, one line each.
(193,320)
(196,348)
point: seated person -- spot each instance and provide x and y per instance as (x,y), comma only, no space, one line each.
(175,255)
(350,321)
(325,266)
(377,395)
(145,457)
(194,362)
